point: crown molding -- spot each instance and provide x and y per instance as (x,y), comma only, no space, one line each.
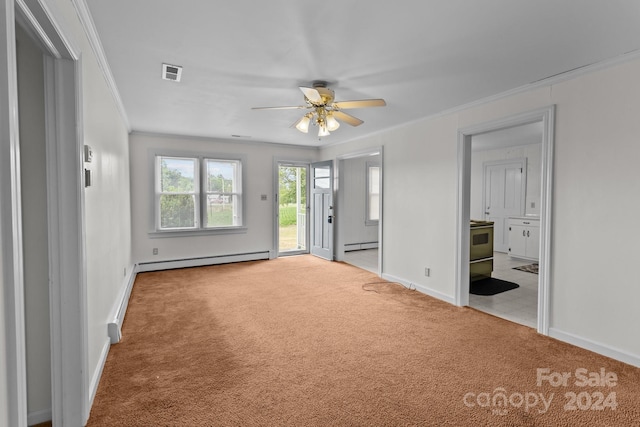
(96,45)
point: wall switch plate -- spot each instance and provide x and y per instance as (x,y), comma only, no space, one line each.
(88,153)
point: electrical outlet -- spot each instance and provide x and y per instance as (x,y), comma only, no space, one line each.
(427,271)
(155,251)
(125,272)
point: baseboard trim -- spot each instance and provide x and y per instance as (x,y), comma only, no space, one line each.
(38,417)
(198,262)
(114,328)
(359,246)
(97,373)
(603,349)
(420,288)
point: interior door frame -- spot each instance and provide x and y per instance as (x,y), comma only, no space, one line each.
(70,394)
(340,205)
(547,116)
(276,211)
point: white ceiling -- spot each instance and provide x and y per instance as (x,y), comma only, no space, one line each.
(423,57)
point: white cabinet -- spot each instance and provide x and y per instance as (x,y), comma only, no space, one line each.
(524,237)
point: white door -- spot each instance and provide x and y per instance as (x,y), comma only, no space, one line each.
(504,196)
(322,209)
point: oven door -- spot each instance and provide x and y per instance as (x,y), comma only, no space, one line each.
(481,240)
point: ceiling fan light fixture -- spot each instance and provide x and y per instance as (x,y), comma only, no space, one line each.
(303,124)
(322,130)
(332,123)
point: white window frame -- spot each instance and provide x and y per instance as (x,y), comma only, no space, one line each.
(200,193)
(369,166)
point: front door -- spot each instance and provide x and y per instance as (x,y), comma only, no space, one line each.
(322,209)
(504,194)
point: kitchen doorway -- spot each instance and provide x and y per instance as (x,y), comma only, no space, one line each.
(467,208)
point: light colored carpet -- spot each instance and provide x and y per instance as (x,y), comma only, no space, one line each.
(299,341)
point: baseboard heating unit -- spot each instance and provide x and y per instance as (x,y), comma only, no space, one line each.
(198,262)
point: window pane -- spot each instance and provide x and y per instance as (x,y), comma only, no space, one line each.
(177,175)
(322,182)
(223,210)
(374,179)
(222,176)
(321,172)
(177,211)
(374,207)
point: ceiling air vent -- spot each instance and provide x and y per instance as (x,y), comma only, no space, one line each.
(171,72)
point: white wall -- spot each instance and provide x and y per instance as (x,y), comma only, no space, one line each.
(594,292)
(354,184)
(34,222)
(533,154)
(259,179)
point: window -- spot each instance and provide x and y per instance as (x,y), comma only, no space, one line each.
(373,194)
(197,193)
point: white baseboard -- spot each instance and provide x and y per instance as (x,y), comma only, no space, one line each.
(603,349)
(359,246)
(114,328)
(420,288)
(97,373)
(198,262)
(39,417)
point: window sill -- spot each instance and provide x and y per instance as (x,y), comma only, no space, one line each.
(199,232)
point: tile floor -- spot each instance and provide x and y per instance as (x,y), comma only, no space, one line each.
(517,305)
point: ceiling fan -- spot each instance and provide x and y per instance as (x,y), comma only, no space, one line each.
(325,113)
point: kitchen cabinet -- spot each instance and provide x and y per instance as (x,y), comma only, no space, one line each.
(524,238)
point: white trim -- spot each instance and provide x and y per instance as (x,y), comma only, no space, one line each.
(97,373)
(198,262)
(114,328)
(12,280)
(65,198)
(39,417)
(546,115)
(420,288)
(596,347)
(84,15)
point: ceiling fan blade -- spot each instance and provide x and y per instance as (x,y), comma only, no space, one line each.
(347,118)
(312,94)
(360,104)
(298,107)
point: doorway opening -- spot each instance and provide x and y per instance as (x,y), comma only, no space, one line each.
(359,236)
(293,209)
(505,196)
(542,207)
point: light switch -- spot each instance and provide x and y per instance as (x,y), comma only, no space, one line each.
(88,153)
